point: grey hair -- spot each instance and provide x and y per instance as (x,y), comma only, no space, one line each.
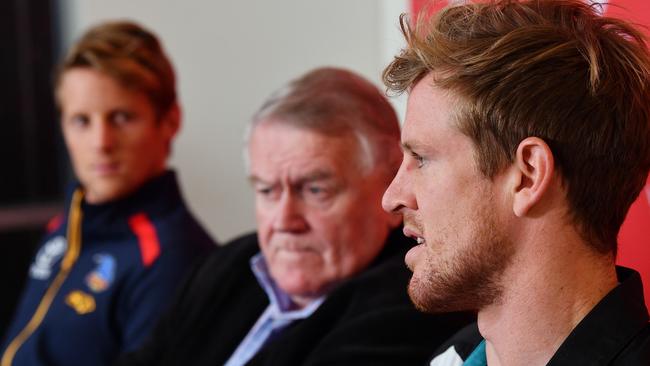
(334,101)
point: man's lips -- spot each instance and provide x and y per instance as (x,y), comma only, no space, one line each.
(294,254)
(414,253)
(107,168)
(295,249)
(411,233)
(293,246)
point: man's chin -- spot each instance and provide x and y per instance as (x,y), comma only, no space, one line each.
(414,256)
(417,294)
(105,193)
(101,195)
(425,299)
(294,283)
(300,294)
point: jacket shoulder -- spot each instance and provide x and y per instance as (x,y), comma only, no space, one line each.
(231,259)
(637,352)
(180,239)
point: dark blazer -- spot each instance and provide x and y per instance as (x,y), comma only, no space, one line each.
(368,320)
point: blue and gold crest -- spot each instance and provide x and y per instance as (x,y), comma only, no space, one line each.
(104,273)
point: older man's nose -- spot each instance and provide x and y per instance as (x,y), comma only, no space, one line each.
(289,215)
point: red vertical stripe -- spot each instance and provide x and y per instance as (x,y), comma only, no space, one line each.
(54,223)
(147,238)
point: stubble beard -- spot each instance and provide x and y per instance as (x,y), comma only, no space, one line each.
(469,279)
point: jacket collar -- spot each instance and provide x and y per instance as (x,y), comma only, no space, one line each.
(156,197)
(609,326)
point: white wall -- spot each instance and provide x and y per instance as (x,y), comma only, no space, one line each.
(229,55)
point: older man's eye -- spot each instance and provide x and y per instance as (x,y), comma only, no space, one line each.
(264,191)
(317,192)
(267,192)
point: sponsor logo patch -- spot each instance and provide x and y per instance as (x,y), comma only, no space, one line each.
(50,253)
(81,302)
(101,278)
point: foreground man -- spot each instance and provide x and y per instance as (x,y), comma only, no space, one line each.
(527,137)
(108,267)
(322,281)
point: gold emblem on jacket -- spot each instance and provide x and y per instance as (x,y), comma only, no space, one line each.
(81,302)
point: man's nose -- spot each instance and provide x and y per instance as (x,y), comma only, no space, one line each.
(103,135)
(290,215)
(397,195)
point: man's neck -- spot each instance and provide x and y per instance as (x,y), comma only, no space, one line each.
(547,292)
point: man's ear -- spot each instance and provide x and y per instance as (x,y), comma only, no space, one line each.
(534,169)
(171,121)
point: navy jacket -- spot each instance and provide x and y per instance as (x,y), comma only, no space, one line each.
(134,252)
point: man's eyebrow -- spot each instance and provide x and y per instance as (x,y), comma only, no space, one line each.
(417,147)
(310,177)
(317,175)
(406,146)
(253,179)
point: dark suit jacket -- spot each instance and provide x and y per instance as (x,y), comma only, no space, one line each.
(368,320)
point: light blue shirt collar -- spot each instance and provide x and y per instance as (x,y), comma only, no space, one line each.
(280,313)
(280,302)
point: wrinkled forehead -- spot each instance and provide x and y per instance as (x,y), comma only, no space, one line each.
(295,177)
(280,151)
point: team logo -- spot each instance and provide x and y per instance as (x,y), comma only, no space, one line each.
(49,254)
(104,273)
(81,302)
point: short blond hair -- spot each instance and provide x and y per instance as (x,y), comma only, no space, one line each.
(130,54)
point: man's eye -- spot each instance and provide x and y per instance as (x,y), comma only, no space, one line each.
(315,190)
(121,117)
(80,120)
(418,159)
(318,192)
(264,190)
(268,192)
